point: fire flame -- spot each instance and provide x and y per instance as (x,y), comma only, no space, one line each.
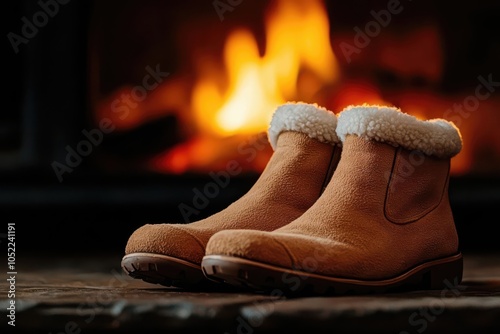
(297,38)
(231,100)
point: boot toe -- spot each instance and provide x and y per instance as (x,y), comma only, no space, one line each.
(251,245)
(166,239)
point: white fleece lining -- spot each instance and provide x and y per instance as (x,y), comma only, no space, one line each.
(436,137)
(315,121)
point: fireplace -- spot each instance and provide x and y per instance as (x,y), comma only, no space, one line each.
(125,107)
(229,66)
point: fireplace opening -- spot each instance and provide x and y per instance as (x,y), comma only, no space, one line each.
(229,67)
(122,108)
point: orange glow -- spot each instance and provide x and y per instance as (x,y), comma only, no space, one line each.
(221,102)
(353,93)
(206,154)
(297,38)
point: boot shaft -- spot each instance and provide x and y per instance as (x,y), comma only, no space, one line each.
(399,163)
(402,185)
(298,171)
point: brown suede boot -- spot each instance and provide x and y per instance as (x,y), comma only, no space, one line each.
(306,152)
(383,223)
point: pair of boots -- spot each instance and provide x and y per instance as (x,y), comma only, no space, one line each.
(354,202)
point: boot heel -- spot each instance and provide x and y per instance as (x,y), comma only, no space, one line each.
(445,274)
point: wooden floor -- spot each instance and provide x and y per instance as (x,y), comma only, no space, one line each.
(90,294)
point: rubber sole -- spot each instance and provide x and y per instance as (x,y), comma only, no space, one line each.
(436,274)
(164,270)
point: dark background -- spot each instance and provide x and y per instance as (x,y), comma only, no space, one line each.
(48,103)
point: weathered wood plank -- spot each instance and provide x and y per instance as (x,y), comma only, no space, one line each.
(94,295)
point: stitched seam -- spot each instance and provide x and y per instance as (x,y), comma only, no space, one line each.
(417,216)
(330,170)
(194,237)
(289,253)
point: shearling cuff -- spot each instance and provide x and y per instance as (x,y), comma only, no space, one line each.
(436,137)
(315,121)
